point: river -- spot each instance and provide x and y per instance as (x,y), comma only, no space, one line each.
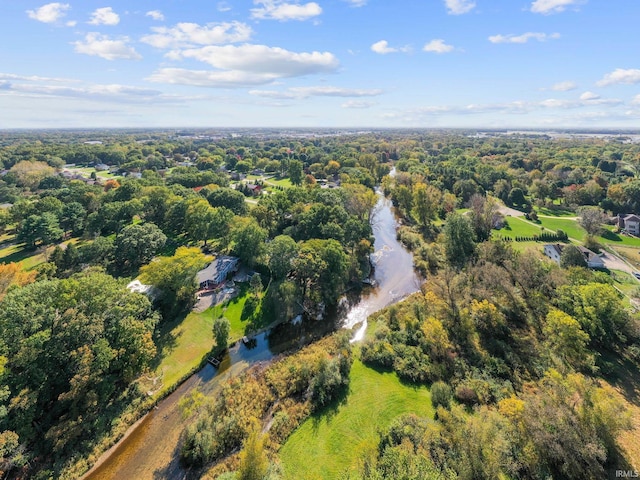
(150,450)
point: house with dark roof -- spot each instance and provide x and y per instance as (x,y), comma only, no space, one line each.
(216,272)
(630,223)
(554,252)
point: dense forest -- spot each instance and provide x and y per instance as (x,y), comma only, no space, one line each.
(531,366)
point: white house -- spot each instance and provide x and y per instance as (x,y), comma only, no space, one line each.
(631,223)
(216,272)
(554,251)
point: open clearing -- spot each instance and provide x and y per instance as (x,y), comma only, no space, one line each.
(332,441)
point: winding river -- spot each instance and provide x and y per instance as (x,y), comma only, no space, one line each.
(151,448)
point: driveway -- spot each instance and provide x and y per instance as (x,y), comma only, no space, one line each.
(613,262)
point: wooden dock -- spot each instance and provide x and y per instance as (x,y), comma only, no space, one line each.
(214,361)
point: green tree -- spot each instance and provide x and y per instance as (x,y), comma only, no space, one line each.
(253,463)
(227,198)
(566,340)
(247,239)
(221,329)
(459,241)
(175,276)
(281,251)
(572,256)
(137,245)
(296,175)
(426,200)
(43,229)
(73,218)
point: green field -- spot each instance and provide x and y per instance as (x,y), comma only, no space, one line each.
(333,441)
(283,182)
(569,226)
(517,227)
(554,213)
(615,239)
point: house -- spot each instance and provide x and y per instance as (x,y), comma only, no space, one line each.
(139,287)
(101,167)
(630,223)
(255,189)
(554,251)
(216,272)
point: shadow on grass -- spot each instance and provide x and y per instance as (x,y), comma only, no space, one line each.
(21,253)
(330,410)
(166,339)
(611,236)
(622,373)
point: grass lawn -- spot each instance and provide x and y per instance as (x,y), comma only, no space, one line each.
(570,227)
(283,182)
(330,442)
(614,239)
(27,258)
(516,227)
(554,213)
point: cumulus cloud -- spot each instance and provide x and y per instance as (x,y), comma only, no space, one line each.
(438,46)
(357,104)
(458,7)
(547,7)
(620,75)
(321,91)
(104,47)
(155,14)
(524,38)
(382,47)
(190,34)
(283,11)
(586,96)
(245,65)
(49,13)
(564,86)
(104,16)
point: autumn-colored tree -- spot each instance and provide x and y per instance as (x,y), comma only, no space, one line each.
(13,274)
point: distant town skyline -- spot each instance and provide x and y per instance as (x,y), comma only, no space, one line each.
(326,63)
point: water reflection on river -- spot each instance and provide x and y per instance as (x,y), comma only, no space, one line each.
(151,450)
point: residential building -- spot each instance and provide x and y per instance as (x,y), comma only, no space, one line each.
(630,223)
(554,252)
(216,272)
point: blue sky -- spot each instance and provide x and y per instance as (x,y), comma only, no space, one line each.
(324,63)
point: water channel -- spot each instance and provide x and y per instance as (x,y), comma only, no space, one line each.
(151,448)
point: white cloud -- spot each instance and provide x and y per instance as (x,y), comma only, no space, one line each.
(33,78)
(357,104)
(223,7)
(438,46)
(49,13)
(155,14)
(71,23)
(636,100)
(524,38)
(357,3)
(282,11)
(552,6)
(564,86)
(586,96)
(189,34)
(245,65)
(382,47)
(620,75)
(262,59)
(321,91)
(104,47)
(104,16)
(458,7)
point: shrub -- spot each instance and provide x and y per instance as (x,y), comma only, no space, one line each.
(441,395)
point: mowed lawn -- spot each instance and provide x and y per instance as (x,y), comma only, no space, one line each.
(569,226)
(517,227)
(331,442)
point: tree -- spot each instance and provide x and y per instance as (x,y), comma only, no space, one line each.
(175,276)
(247,239)
(227,198)
(566,340)
(516,197)
(5,219)
(572,256)
(40,228)
(296,174)
(13,274)
(253,464)
(137,245)
(591,219)
(281,251)
(221,329)
(256,283)
(30,174)
(426,200)
(459,244)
